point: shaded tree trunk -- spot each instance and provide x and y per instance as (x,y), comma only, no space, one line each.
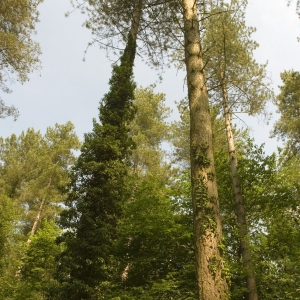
(211,281)
(239,201)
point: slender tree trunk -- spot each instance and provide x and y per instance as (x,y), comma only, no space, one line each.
(239,201)
(134,32)
(38,216)
(136,20)
(207,222)
(34,227)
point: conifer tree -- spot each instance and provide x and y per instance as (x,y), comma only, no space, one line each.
(176,24)
(33,169)
(149,129)
(28,162)
(98,188)
(110,21)
(288,103)
(19,53)
(155,234)
(236,78)
(211,281)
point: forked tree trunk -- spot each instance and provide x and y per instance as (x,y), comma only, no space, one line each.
(207,222)
(239,201)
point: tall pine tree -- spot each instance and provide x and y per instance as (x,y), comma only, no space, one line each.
(236,79)
(98,188)
(211,281)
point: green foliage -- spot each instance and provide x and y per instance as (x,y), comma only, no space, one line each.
(10,247)
(127,224)
(97,190)
(30,161)
(19,53)
(255,171)
(149,129)
(270,187)
(6,219)
(111,21)
(38,264)
(288,103)
(279,270)
(278,242)
(181,135)
(147,228)
(27,164)
(271,201)
(156,242)
(228,50)
(7,111)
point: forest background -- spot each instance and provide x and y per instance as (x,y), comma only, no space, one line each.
(35,175)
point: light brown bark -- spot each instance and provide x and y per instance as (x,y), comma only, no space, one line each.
(34,226)
(239,201)
(38,216)
(136,20)
(207,222)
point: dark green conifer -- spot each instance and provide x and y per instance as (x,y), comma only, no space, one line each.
(98,189)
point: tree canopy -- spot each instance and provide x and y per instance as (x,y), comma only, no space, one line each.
(288,103)
(19,53)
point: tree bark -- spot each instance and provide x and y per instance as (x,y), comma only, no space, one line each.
(211,280)
(134,32)
(34,226)
(239,201)
(136,20)
(38,216)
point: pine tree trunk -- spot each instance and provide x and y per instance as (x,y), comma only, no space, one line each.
(38,216)
(239,201)
(207,222)
(136,20)
(34,226)
(134,31)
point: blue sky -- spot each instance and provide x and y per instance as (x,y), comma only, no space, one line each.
(69,89)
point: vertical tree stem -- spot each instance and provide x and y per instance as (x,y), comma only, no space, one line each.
(207,222)
(38,216)
(239,201)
